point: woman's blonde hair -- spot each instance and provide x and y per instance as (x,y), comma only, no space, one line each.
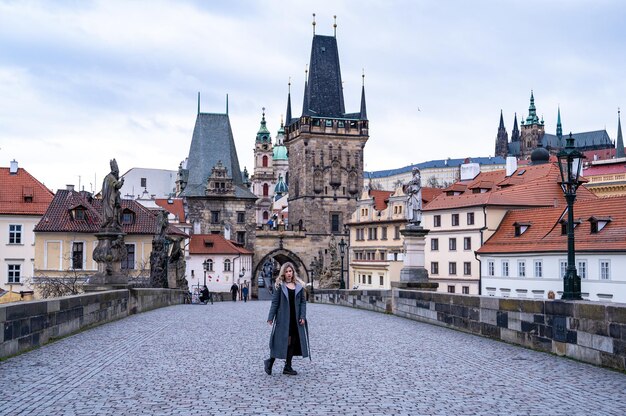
(281,275)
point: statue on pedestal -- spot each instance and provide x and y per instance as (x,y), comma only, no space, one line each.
(159,255)
(111,201)
(413,191)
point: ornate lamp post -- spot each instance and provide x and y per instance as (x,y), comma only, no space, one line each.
(311,268)
(205,264)
(342,253)
(570,164)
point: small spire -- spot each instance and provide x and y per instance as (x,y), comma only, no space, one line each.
(363,115)
(619,151)
(501,126)
(198,102)
(559,126)
(335,25)
(226,104)
(363,76)
(313,24)
(288,113)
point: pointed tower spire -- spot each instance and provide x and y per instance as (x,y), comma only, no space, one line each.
(515,132)
(559,127)
(198,102)
(619,152)
(501,126)
(532,111)
(263,135)
(313,24)
(502,139)
(363,109)
(288,113)
(305,100)
(226,104)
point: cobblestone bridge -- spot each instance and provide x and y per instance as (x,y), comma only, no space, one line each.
(195,359)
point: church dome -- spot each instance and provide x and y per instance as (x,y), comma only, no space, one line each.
(280,152)
(281,186)
(539,156)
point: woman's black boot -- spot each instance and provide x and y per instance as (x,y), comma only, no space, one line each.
(268,365)
(288,370)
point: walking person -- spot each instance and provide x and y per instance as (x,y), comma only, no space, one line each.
(289,336)
(244,291)
(234,289)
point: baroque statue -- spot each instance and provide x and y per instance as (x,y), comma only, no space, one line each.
(111,200)
(413,191)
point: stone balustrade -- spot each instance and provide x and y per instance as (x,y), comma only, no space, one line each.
(27,325)
(592,332)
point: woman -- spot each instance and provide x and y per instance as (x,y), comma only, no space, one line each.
(288,314)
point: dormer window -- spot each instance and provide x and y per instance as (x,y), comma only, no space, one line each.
(128,217)
(564,226)
(598,223)
(79,213)
(27,193)
(520,228)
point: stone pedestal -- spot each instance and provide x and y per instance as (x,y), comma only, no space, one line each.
(414,274)
(109,253)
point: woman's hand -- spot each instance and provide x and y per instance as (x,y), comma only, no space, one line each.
(270,322)
(301,321)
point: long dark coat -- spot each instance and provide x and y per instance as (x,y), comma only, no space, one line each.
(279,313)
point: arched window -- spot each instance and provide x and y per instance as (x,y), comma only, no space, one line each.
(266,216)
(227,265)
(266,189)
(208,265)
(264,161)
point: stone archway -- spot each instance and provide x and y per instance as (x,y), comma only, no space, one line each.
(282,256)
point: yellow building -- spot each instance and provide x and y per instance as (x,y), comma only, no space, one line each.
(65,238)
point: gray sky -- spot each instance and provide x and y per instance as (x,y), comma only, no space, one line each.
(85,81)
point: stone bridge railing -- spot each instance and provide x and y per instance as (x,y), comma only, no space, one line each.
(25,325)
(592,332)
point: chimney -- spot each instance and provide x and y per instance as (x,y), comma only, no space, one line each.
(69,187)
(511,165)
(13,168)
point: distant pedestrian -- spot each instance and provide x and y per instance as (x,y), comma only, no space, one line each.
(244,292)
(205,295)
(289,336)
(234,289)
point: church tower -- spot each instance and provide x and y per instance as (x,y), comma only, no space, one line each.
(325,146)
(263,179)
(281,162)
(532,130)
(502,139)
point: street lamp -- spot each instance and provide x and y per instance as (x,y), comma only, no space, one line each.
(206,265)
(311,268)
(342,253)
(570,164)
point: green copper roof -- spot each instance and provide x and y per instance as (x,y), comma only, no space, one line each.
(559,127)
(532,111)
(263,135)
(281,186)
(280,152)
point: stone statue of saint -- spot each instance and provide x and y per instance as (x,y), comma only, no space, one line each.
(414,198)
(111,201)
(162,224)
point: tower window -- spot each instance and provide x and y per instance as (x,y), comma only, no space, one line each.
(264,162)
(266,189)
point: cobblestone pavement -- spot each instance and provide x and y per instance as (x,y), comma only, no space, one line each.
(200,360)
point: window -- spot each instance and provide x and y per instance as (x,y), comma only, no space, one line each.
(80,214)
(215,217)
(467,243)
(266,189)
(371,233)
(241,216)
(382,256)
(266,216)
(434,267)
(396,232)
(520,228)
(369,279)
(77,255)
(450,289)
(470,218)
(605,269)
(465,290)
(382,280)
(128,217)
(434,244)
(227,265)
(467,268)
(491,268)
(455,219)
(241,237)
(15,272)
(505,268)
(129,262)
(436,220)
(563,267)
(15,234)
(208,265)
(452,244)
(383,233)
(264,161)
(334,223)
(144,182)
(538,268)
(452,268)
(582,269)
(521,268)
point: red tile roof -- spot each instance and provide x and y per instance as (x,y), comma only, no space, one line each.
(16,189)
(175,207)
(608,169)
(381,199)
(600,154)
(544,233)
(58,218)
(528,186)
(214,244)
(428,194)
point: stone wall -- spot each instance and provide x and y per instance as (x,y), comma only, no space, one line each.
(26,325)
(592,332)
